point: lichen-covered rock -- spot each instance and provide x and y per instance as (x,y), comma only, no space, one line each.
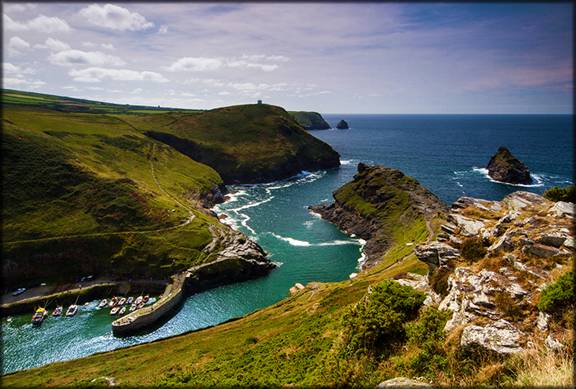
(505,167)
(500,336)
(468,227)
(562,208)
(436,253)
(403,382)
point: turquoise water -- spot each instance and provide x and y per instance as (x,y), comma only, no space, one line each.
(444,152)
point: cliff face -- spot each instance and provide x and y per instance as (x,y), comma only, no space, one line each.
(377,204)
(491,264)
(505,167)
(248,143)
(310,120)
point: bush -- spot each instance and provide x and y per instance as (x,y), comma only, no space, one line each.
(559,295)
(378,319)
(561,194)
(473,249)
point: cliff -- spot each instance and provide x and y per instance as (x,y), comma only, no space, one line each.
(310,120)
(379,205)
(505,167)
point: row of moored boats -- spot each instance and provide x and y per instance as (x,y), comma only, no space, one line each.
(118,305)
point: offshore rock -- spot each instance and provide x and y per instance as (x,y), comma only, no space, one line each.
(342,125)
(505,167)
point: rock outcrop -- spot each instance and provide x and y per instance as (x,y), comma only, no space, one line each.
(342,125)
(494,294)
(505,167)
(310,120)
(375,203)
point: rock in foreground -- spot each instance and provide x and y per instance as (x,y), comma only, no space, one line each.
(505,167)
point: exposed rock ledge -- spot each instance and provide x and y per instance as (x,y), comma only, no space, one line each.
(493,297)
(374,203)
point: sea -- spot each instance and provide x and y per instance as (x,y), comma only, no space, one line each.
(445,153)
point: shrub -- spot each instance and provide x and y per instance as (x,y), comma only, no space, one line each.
(378,319)
(559,295)
(561,194)
(472,249)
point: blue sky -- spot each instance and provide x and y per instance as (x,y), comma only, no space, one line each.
(331,58)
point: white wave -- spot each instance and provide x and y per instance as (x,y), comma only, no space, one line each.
(459,184)
(315,214)
(346,161)
(308,223)
(244,222)
(292,241)
(353,275)
(232,197)
(536,177)
(252,205)
(277,263)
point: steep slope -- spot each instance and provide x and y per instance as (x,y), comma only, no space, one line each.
(245,143)
(383,206)
(310,120)
(87,193)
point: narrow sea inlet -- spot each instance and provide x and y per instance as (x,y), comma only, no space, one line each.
(446,153)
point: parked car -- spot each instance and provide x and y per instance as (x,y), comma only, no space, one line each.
(18,291)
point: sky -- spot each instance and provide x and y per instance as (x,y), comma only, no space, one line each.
(391,58)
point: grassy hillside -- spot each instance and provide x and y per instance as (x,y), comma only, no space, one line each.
(310,120)
(246,143)
(90,194)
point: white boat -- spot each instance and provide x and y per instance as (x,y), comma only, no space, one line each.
(145,299)
(113,302)
(138,300)
(122,301)
(57,311)
(151,301)
(130,300)
(122,311)
(72,309)
(103,303)
(132,307)
(114,310)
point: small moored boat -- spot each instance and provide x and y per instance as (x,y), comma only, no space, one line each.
(145,299)
(122,311)
(103,303)
(72,309)
(132,307)
(151,301)
(114,310)
(130,300)
(138,300)
(57,311)
(122,301)
(39,316)
(113,302)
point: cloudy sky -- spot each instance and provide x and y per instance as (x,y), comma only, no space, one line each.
(332,58)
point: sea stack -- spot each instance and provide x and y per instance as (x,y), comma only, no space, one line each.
(342,125)
(505,167)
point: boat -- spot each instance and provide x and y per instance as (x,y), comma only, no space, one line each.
(113,302)
(122,311)
(57,311)
(39,316)
(146,298)
(72,309)
(103,303)
(132,307)
(122,301)
(138,300)
(130,300)
(151,301)
(114,310)
(141,305)
(18,291)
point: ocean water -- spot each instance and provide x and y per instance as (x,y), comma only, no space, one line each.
(446,153)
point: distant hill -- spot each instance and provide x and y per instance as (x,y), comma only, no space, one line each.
(310,120)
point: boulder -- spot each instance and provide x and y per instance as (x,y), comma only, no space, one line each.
(500,336)
(436,253)
(505,167)
(542,322)
(552,238)
(562,208)
(468,227)
(552,343)
(540,250)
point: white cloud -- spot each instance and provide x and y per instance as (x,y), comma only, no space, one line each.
(107,46)
(137,91)
(9,68)
(40,23)
(53,45)
(199,64)
(16,45)
(19,7)
(163,29)
(206,81)
(195,64)
(115,18)
(79,57)
(96,74)
(21,82)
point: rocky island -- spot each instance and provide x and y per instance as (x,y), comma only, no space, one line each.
(342,125)
(505,167)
